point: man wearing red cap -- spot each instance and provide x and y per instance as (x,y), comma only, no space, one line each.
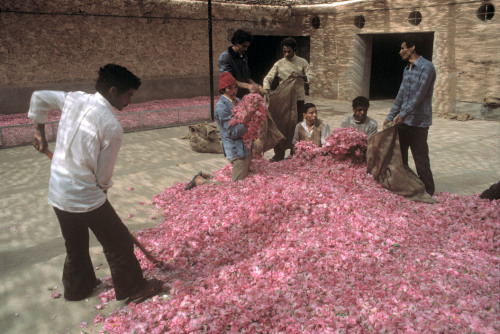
(234,148)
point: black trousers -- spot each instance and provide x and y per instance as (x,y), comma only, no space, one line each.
(279,150)
(415,139)
(78,274)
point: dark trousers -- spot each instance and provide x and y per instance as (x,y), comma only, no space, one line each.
(415,139)
(279,150)
(78,274)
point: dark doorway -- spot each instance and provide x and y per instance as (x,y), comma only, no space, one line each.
(387,66)
(266,50)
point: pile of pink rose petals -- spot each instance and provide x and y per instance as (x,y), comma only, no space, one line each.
(313,244)
(17,129)
(250,102)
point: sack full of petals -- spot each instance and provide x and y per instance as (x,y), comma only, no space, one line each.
(248,103)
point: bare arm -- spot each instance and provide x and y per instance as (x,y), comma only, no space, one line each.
(39,140)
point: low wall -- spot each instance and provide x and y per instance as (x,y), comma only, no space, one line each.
(15,100)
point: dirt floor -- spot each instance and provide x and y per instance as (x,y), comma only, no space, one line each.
(465,159)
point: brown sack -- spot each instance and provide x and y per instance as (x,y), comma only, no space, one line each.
(269,136)
(458,117)
(385,163)
(283,109)
(491,101)
(205,138)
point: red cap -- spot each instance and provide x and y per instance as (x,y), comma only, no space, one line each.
(226,79)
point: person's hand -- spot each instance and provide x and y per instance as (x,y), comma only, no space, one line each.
(254,88)
(385,122)
(39,141)
(248,116)
(297,75)
(398,120)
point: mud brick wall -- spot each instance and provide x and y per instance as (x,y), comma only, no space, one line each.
(60,44)
(466,50)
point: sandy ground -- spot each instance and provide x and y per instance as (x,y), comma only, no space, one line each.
(465,159)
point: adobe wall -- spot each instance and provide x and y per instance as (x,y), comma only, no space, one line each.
(60,45)
(466,50)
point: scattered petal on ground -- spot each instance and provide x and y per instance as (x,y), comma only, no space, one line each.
(55,295)
(145,115)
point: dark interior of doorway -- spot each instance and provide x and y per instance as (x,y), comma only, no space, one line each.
(266,50)
(387,66)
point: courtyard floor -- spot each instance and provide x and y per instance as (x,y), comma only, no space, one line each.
(465,160)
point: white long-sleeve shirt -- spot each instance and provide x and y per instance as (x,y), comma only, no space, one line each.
(88,141)
(283,68)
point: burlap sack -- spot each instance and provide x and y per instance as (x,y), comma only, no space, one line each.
(283,109)
(385,163)
(491,101)
(205,138)
(458,117)
(269,136)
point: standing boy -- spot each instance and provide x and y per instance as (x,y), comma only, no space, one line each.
(235,61)
(88,141)
(291,65)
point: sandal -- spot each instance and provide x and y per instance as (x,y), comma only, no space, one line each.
(192,184)
(152,288)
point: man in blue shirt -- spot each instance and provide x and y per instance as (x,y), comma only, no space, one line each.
(235,61)
(412,109)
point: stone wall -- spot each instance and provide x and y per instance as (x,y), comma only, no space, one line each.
(61,44)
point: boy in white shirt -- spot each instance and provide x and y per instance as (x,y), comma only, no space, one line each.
(88,141)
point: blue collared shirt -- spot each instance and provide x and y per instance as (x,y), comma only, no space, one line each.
(230,135)
(414,100)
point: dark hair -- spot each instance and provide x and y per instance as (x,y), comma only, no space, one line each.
(290,42)
(307,106)
(412,40)
(112,75)
(360,101)
(241,36)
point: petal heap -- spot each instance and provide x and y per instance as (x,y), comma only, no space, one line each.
(315,245)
